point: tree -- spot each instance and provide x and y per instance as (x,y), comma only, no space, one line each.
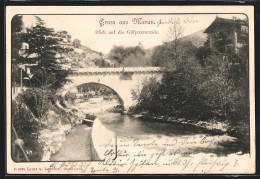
(16,43)
(38,100)
(76,43)
(178,92)
(148,100)
(16,30)
(226,88)
(166,54)
(47,73)
(129,56)
(180,87)
(117,54)
(100,62)
(135,56)
(43,47)
(175,32)
(217,88)
(201,55)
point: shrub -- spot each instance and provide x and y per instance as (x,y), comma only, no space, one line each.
(27,129)
(38,100)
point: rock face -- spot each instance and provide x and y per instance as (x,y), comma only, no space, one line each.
(82,57)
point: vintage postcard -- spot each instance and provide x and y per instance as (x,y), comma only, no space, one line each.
(130,90)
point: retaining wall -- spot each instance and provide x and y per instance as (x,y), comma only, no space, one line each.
(102,140)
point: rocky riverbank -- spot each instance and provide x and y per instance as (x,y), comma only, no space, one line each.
(59,123)
(212,127)
(56,125)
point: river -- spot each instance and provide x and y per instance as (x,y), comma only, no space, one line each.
(125,125)
(76,146)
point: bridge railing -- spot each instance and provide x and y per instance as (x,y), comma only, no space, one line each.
(117,70)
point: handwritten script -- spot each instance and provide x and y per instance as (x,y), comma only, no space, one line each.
(160,154)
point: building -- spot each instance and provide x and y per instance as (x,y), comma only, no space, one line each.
(227,35)
(23,49)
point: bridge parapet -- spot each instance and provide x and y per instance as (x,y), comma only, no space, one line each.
(117,70)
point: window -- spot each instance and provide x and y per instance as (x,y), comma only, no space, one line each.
(244,29)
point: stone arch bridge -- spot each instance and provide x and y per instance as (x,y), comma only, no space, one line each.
(121,80)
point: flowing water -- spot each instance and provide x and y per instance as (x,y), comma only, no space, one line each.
(125,125)
(76,146)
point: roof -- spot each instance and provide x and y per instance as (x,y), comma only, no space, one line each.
(222,22)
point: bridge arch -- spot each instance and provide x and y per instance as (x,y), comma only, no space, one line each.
(121,101)
(112,78)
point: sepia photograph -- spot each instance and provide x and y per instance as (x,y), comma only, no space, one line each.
(116,90)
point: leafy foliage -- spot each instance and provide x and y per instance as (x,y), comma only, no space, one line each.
(16,43)
(201,55)
(27,128)
(43,48)
(129,56)
(16,28)
(198,83)
(101,62)
(180,88)
(47,76)
(178,93)
(162,55)
(76,43)
(38,100)
(149,99)
(167,54)
(118,54)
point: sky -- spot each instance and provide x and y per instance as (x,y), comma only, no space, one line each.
(85,27)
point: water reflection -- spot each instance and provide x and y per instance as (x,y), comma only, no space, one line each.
(129,125)
(125,125)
